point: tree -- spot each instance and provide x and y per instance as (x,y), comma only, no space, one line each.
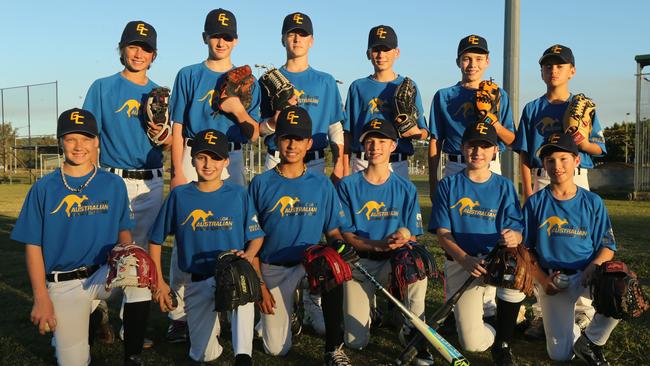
(617,138)
(7,136)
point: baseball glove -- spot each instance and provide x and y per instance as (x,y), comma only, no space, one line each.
(511,268)
(406,111)
(578,117)
(236,282)
(278,88)
(237,82)
(158,113)
(410,265)
(325,268)
(487,101)
(616,291)
(130,265)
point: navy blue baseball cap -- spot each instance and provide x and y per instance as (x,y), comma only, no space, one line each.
(76,120)
(382,35)
(481,131)
(473,43)
(298,21)
(380,127)
(293,121)
(220,22)
(210,141)
(557,142)
(557,54)
(138,31)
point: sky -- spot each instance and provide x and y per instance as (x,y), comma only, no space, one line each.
(75,42)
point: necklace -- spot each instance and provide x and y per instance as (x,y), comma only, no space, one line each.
(81,187)
(304,170)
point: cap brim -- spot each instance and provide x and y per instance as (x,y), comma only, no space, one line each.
(539,151)
(85,132)
(484,139)
(222,33)
(385,44)
(381,133)
(304,135)
(558,59)
(474,48)
(298,28)
(192,153)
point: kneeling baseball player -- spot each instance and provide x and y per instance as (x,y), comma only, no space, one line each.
(474,211)
(379,202)
(70,221)
(207,218)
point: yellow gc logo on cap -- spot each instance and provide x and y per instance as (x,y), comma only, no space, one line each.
(76,118)
(472,39)
(376,124)
(556,49)
(223,18)
(140,28)
(482,128)
(554,138)
(210,137)
(381,33)
(297,18)
(292,117)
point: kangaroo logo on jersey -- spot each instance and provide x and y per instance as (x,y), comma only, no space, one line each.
(74,206)
(468,207)
(284,202)
(467,109)
(548,124)
(375,105)
(288,206)
(377,211)
(208,96)
(304,99)
(558,226)
(132,107)
(200,221)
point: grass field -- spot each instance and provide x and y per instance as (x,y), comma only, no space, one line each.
(20,344)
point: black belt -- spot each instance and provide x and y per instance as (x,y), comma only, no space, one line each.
(284,264)
(394,157)
(147,174)
(375,256)
(199,277)
(77,274)
(311,155)
(568,272)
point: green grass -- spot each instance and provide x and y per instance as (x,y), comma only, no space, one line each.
(20,344)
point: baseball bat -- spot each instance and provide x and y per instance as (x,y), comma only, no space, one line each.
(446,350)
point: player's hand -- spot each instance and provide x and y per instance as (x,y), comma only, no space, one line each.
(177,180)
(242,254)
(153,129)
(268,302)
(549,286)
(163,297)
(473,265)
(396,240)
(510,238)
(232,105)
(42,315)
(587,274)
(412,132)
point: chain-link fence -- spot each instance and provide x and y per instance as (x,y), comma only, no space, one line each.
(642,138)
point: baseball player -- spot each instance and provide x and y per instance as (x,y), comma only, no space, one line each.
(296,207)
(117,103)
(473,211)
(208,217)
(569,229)
(371,97)
(70,221)
(193,108)
(541,118)
(378,201)
(316,92)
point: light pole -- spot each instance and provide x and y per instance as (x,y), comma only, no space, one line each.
(626,135)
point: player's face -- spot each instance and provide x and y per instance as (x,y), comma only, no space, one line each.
(473,65)
(557,75)
(383,58)
(561,166)
(293,149)
(478,154)
(137,57)
(78,148)
(378,149)
(297,43)
(209,166)
(220,47)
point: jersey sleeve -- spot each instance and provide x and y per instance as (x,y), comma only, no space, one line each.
(29,226)
(252,229)
(521,139)
(254,109)
(597,135)
(510,216)
(530,224)
(93,102)
(436,120)
(505,112)
(413,215)
(422,121)
(602,232)
(164,224)
(349,110)
(346,205)
(440,216)
(334,215)
(179,99)
(336,106)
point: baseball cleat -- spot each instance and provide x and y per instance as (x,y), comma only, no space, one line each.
(337,358)
(587,351)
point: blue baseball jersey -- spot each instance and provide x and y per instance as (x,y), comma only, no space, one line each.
(294,213)
(567,234)
(376,211)
(476,213)
(318,94)
(539,120)
(118,105)
(369,99)
(74,229)
(193,103)
(452,110)
(205,224)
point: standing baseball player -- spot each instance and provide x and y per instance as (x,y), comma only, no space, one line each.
(296,207)
(569,229)
(453,109)
(474,211)
(70,221)
(194,107)
(379,202)
(541,118)
(372,97)
(318,94)
(206,218)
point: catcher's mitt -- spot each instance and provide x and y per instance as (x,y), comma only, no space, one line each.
(236,282)
(616,291)
(578,118)
(158,113)
(487,101)
(325,268)
(237,82)
(511,268)
(410,265)
(130,265)
(406,111)
(278,89)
